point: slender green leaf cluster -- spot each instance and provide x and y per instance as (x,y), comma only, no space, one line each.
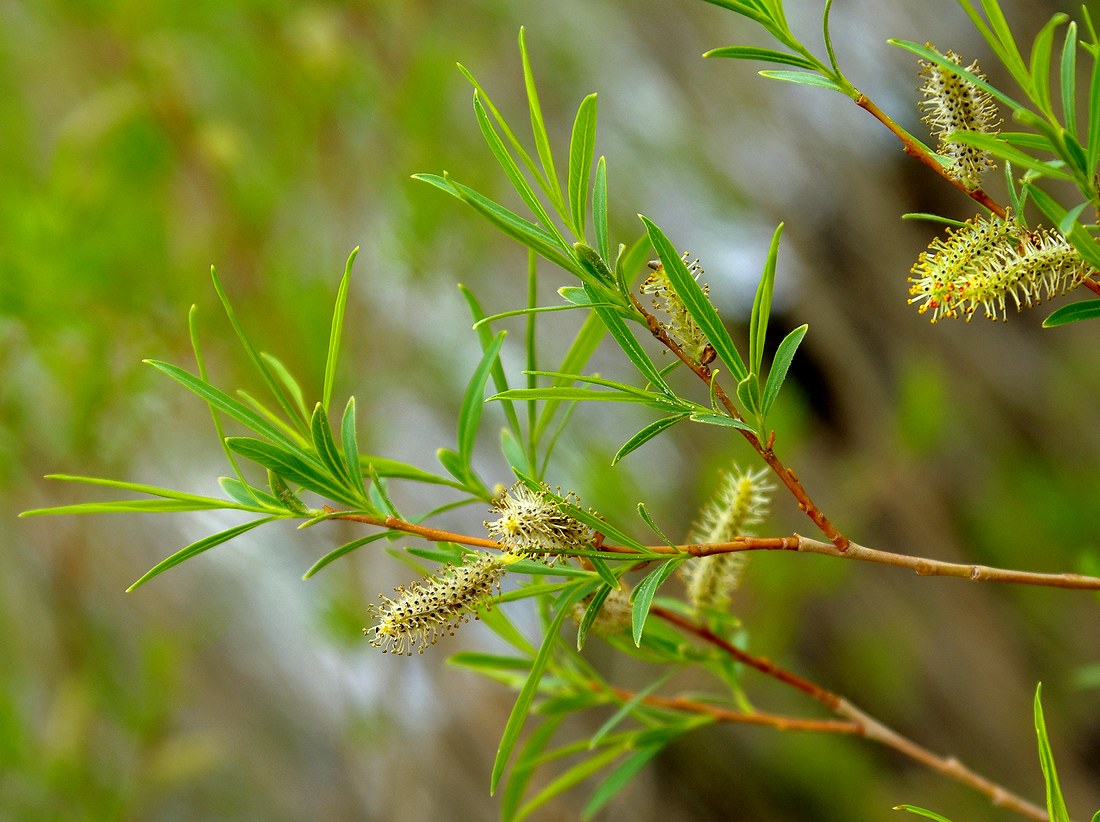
(435,605)
(992,263)
(955,104)
(740,501)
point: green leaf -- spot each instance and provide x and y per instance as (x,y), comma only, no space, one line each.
(349,440)
(777,373)
(599,210)
(646,434)
(1073,313)
(582,149)
(643,594)
(767,55)
(285,496)
(1056,804)
(223,402)
(630,346)
(474,399)
(618,779)
(294,466)
(721,419)
(601,275)
(591,612)
(1000,39)
(1001,149)
(326,449)
(538,128)
(695,301)
(653,400)
(198,547)
(803,78)
(522,706)
(343,550)
(1068,78)
(519,229)
(511,170)
(922,812)
(387,467)
(336,330)
(285,401)
(570,778)
(283,375)
(180,501)
(762,306)
(248,495)
(528,759)
(1041,50)
(1093,102)
(485,338)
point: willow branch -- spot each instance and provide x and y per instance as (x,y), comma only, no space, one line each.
(918,565)
(914,148)
(786,475)
(867,726)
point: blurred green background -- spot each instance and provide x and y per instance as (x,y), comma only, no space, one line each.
(142,142)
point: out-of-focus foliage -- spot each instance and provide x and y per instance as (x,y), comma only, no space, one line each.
(143,142)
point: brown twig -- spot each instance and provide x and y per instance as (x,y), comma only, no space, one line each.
(914,148)
(867,726)
(796,542)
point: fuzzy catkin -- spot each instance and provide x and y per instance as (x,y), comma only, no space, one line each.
(740,501)
(952,104)
(433,606)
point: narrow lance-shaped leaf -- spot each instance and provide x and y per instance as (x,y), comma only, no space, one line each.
(762,306)
(280,394)
(325,446)
(336,330)
(1056,804)
(538,129)
(1072,313)
(777,373)
(295,466)
(512,171)
(348,439)
(644,593)
(470,414)
(599,210)
(1068,78)
(646,434)
(522,707)
(582,148)
(196,548)
(765,55)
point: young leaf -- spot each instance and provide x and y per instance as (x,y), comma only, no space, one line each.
(762,306)
(1068,78)
(595,603)
(223,402)
(198,547)
(1073,313)
(519,229)
(1041,50)
(572,777)
(348,439)
(344,549)
(766,55)
(277,390)
(777,373)
(283,375)
(325,446)
(613,321)
(485,338)
(522,707)
(599,210)
(582,148)
(336,330)
(803,78)
(474,399)
(1056,804)
(646,434)
(644,593)
(935,817)
(511,170)
(295,466)
(538,128)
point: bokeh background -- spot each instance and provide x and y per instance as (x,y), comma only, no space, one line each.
(142,142)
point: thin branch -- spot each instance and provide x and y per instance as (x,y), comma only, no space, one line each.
(868,726)
(918,565)
(914,148)
(720,714)
(786,475)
